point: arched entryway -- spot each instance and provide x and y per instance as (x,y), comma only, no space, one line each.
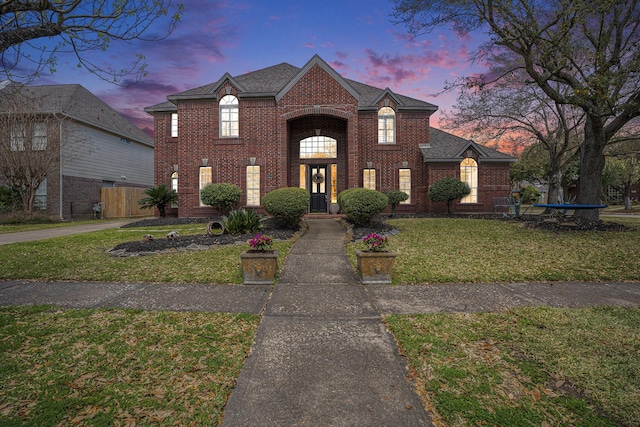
(318,158)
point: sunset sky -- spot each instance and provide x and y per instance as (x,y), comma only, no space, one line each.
(357,38)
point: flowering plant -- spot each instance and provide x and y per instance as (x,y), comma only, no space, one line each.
(375,242)
(261,242)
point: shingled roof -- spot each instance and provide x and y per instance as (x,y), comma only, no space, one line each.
(274,80)
(445,147)
(76,103)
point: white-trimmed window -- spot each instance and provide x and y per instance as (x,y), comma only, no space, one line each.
(17,136)
(469,174)
(229,122)
(40,201)
(369,178)
(334,183)
(318,147)
(174,186)
(174,125)
(253,185)
(303,177)
(205,178)
(39,136)
(386,126)
(404,184)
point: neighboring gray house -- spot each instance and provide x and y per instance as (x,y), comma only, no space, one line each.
(96,146)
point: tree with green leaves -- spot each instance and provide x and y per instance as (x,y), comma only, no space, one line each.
(395,198)
(447,190)
(582,54)
(159,197)
(34,32)
(623,166)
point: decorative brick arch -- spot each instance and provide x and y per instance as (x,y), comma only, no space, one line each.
(317,110)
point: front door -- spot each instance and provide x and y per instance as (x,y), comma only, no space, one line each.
(318,185)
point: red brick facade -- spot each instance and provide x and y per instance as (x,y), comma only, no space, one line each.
(315,101)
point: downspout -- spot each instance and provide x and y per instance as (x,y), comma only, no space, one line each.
(60,184)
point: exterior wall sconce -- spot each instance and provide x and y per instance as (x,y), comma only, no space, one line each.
(369,164)
(405,165)
(205,162)
(469,153)
(175,168)
(252,161)
(318,132)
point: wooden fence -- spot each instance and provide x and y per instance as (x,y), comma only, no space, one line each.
(122,202)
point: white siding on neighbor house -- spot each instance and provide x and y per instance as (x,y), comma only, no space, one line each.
(95,154)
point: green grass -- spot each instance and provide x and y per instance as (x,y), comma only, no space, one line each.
(526,367)
(84,257)
(476,251)
(118,367)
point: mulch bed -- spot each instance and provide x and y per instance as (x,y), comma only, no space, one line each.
(276,230)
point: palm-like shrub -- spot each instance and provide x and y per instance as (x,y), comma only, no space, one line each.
(362,204)
(288,204)
(159,197)
(222,196)
(447,190)
(241,221)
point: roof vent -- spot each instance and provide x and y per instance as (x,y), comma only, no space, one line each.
(427,145)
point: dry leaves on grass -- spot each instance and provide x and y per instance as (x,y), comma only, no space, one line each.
(119,367)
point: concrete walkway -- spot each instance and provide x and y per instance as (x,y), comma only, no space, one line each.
(323,356)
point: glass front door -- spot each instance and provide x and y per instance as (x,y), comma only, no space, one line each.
(318,185)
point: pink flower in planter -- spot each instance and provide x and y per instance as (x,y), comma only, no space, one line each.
(375,242)
(261,242)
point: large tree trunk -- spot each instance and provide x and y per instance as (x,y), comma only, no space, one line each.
(554,182)
(591,166)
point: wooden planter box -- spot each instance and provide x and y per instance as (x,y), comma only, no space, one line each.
(259,267)
(375,268)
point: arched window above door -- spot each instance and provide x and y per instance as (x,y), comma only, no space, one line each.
(318,147)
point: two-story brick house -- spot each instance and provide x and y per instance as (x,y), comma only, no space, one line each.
(308,127)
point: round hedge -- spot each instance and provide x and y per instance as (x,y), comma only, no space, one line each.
(362,204)
(288,204)
(222,196)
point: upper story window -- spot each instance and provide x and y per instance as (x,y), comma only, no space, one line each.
(386,126)
(39,136)
(318,147)
(229,124)
(18,132)
(469,174)
(174,125)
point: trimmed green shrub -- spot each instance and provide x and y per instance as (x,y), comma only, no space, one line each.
(530,194)
(10,200)
(362,204)
(222,196)
(288,204)
(342,194)
(241,221)
(447,190)
(395,198)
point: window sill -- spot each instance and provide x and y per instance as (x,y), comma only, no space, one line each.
(387,147)
(228,141)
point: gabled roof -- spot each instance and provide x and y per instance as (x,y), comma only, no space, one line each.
(276,80)
(445,147)
(316,60)
(76,103)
